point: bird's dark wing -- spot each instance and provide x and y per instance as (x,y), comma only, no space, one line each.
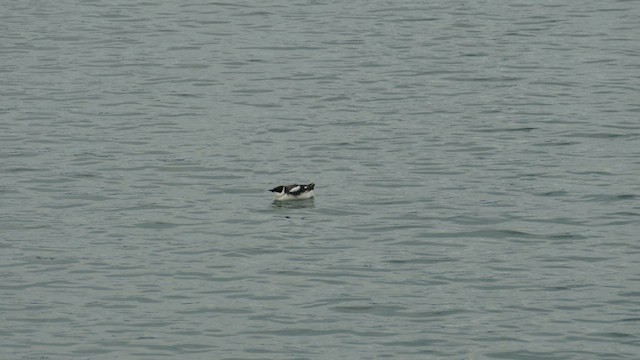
(295,189)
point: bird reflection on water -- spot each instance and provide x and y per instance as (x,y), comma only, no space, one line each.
(298,204)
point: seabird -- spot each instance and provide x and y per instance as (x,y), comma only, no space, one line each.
(293,192)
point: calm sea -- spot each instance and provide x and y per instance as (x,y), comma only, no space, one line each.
(477,167)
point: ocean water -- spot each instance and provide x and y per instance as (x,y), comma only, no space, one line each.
(477,168)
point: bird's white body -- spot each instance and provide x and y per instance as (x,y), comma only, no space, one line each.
(285,196)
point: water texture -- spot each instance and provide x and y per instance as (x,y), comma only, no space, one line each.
(477,168)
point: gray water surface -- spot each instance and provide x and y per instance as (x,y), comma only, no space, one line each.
(477,168)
